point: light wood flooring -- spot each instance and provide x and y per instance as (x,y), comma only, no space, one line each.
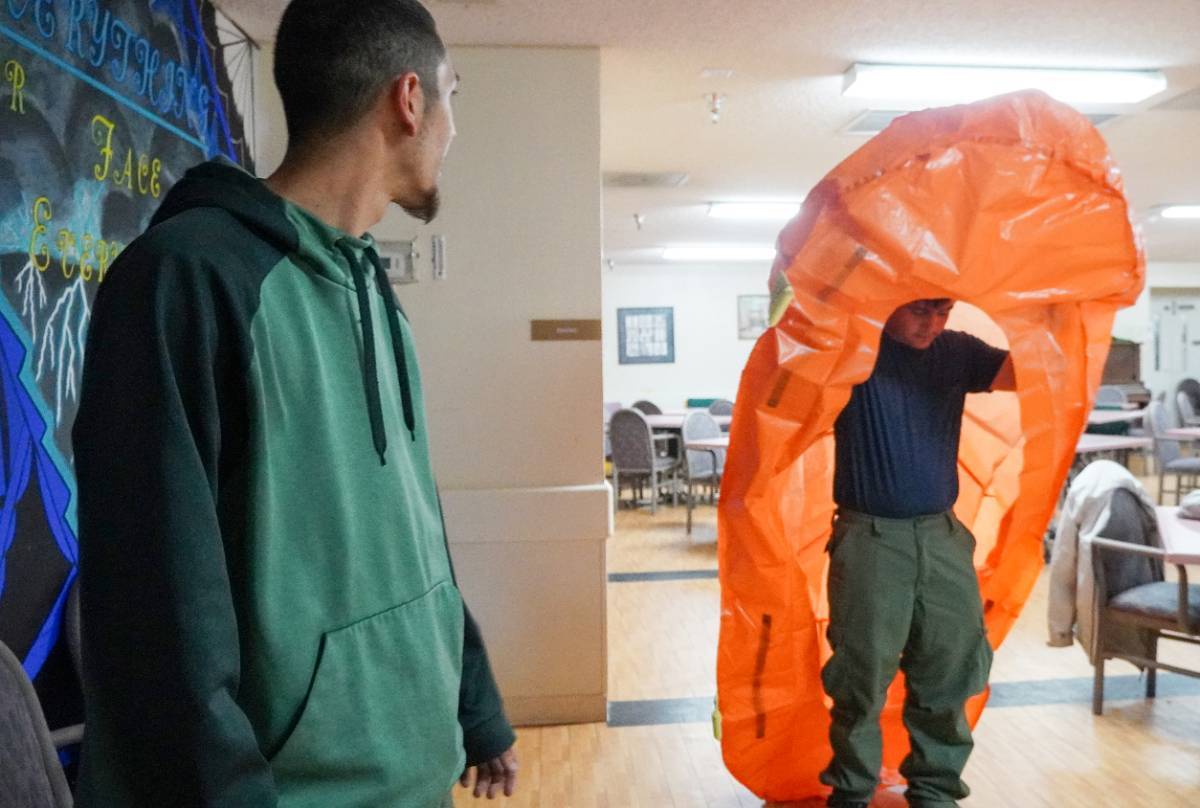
(1042,751)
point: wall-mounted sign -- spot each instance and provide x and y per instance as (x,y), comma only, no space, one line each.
(551,330)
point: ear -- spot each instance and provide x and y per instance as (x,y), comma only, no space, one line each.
(407,100)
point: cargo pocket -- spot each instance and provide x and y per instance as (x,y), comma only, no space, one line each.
(836,533)
(981,666)
(980,663)
(964,534)
(830,677)
(380,724)
(837,537)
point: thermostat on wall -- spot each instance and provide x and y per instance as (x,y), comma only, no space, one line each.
(399,259)
(439,258)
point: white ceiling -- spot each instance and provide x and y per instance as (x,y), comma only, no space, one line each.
(783,112)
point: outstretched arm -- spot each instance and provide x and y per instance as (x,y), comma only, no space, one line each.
(1006,378)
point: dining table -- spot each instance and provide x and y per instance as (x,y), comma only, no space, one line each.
(1183,433)
(1102,417)
(1096,444)
(674,420)
(1179,535)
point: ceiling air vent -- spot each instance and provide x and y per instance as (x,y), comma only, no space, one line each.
(648,179)
(874,121)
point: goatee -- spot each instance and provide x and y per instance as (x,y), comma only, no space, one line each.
(428,209)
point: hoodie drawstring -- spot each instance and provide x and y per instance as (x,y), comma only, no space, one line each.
(393,314)
(370,368)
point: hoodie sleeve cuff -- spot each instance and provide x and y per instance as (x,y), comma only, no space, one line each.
(488,739)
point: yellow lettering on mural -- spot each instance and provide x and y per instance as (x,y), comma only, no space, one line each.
(140,173)
(102,135)
(155,170)
(108,252)
(126,177)
(86,253)
(143,173)
(66,246)
(39,256)
(91,256)
(14,74)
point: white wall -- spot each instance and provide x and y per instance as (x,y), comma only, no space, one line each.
(709,357)
(1163,280)
(1134,322)
(1175,275)
(270,129)
(515,424)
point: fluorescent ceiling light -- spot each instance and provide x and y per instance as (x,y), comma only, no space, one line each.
(753,210)
(719,252)
(1180,212)
(874,121)
(956,85)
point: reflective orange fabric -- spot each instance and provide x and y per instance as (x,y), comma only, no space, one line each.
(1013,205)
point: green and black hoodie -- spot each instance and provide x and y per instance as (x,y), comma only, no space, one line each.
(270,617)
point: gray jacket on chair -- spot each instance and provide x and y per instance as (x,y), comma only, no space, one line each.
(1086,514)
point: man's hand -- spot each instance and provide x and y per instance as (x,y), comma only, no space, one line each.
(493,775)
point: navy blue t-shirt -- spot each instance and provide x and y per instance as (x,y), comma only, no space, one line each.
(897,439)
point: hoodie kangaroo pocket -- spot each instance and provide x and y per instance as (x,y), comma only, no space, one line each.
(380,724)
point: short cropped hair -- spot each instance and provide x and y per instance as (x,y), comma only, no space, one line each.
(334,57)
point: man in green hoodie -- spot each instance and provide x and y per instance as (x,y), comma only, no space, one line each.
(270,613)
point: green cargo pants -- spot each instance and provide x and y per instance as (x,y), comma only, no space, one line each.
(903,594)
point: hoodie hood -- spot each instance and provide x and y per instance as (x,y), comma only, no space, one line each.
(222,184)
(350,261)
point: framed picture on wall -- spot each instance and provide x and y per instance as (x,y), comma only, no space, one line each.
(753,315)
(646,336)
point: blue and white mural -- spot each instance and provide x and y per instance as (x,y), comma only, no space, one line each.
(104,104)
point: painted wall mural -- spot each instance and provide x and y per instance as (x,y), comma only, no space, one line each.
(103,106)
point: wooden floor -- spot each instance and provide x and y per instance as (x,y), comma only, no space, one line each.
(1041,751)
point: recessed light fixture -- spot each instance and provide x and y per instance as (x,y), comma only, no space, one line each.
(767,211)
(719,252)
(1180,212)
(955,85)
